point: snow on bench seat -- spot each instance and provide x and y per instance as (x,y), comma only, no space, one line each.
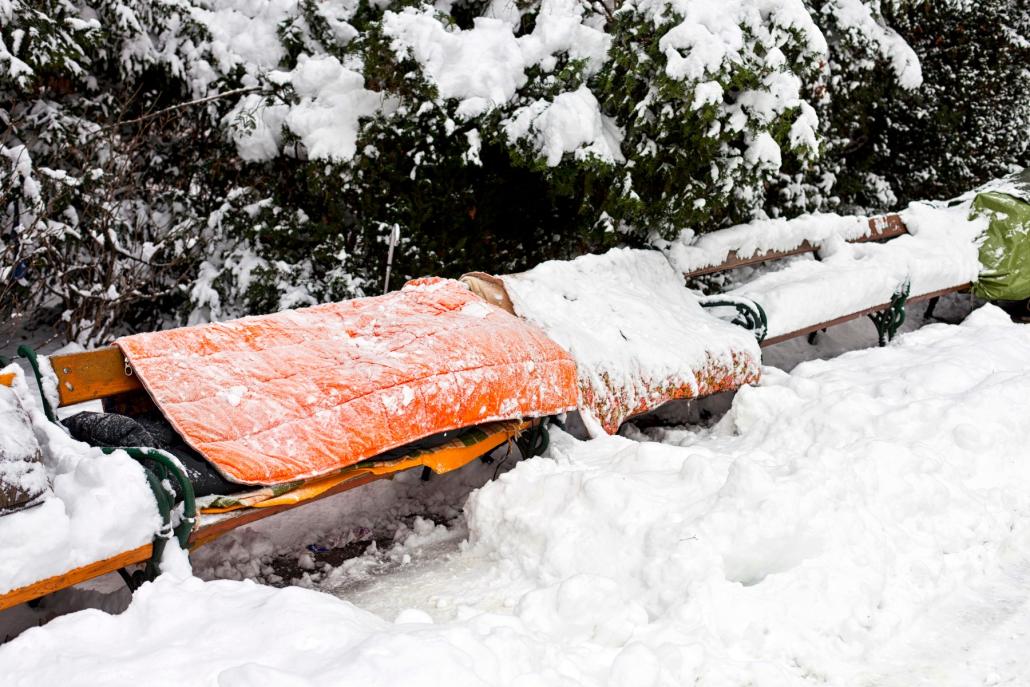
(938,253)
(100,505)
(638,335)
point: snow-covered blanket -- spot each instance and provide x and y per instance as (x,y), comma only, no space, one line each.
(302,393)
(101,504)
(939,252)
(638,335)
(861,520)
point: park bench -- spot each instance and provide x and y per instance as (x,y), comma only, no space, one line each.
(778,306)
(105,374)
(722,358)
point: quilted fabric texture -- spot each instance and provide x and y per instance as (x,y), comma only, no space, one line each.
(300,393)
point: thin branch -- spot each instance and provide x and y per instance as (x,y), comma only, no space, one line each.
(179,106)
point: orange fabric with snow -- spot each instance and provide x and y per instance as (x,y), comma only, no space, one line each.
(301,393)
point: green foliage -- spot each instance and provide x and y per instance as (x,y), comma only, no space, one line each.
(966,123)
(100,202)
(970,120)
(154,169)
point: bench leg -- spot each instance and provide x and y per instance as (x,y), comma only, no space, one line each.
(813,337)
(889,321)
(930,307)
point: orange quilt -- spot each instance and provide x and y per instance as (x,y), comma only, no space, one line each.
(300,393)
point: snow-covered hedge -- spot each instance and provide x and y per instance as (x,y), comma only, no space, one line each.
(205,158)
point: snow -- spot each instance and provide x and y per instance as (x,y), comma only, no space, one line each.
(632,327)
(857,17)
(939,252)
(713,32)
(101,504)
(331,101)
(835,523)
(690,252)
(484,67)
(571,123)
(19,469)
(243,33)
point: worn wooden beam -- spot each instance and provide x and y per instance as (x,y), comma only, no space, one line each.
(880,229)
(772,341)
(89,375)
(74,577)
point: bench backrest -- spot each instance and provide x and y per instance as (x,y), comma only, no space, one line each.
(880,228)
(102,373)
(92,375)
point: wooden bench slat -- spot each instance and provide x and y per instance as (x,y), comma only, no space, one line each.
(72,577)
(212,527)
(89,375)
(880,229)
(734,261)
(205,534)
(773,340)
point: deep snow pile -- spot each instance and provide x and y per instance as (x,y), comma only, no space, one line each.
(638,337)
(823,518)
(101,504)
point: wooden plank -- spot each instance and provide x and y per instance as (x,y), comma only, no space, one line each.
(884,227)
(862,313)
(90,375)
(734,261)
(205,534)
(880,229)
(73,577)
(211,527)
(214,526)
(220,525)
(7,379)
(823,325)
(941,292)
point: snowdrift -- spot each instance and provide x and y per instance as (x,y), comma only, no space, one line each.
(857,521)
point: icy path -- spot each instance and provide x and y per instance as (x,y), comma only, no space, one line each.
(859,521)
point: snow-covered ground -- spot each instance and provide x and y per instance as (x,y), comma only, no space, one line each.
(860,520)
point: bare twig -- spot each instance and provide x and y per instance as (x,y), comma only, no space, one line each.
(179,106)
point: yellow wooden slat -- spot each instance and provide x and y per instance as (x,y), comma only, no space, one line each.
(89,375)
(73,577)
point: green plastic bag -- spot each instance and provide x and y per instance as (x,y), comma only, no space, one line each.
(1005,251)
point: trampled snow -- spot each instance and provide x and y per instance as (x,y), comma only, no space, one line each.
(833,516)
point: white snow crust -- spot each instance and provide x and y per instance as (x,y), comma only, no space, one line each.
(836,517)
(484,66)
(690,252)
(628,321)
(939,252)
(101,504)
(19,447)
(332,98)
